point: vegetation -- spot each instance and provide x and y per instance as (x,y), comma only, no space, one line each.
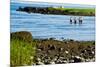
(22,52)
(28,51)
(60,11)
(76,11)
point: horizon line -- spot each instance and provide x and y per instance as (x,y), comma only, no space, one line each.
(59,2)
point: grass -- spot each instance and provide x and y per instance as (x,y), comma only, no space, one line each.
(22,53)
(76,11)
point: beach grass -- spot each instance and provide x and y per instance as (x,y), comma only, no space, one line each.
(22,53)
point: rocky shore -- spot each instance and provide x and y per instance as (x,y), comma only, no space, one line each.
(59,52)
(51,51)
(58,11)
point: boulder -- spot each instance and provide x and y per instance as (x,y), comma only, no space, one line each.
(22,35)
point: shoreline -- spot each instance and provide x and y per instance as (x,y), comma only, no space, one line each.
(49,51)
(58,39)
(59,11)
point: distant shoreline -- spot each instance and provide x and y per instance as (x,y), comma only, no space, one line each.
(59,11)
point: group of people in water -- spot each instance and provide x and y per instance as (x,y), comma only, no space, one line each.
(76,20)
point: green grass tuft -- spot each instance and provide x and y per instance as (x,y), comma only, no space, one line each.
(76,11)
(22,53)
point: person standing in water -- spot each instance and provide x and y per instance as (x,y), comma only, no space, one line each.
(80,20)
(75,21)
(71,20)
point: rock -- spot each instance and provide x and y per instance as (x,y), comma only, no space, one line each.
(52,62)
(87,60)
(55,59)
(64,61)
(22,35)
(46,61)
(66,52)
(76,59)
(60,49)
(38,59)
(40,63)
(93,52)
(93,59)
(71,61)
(52,47)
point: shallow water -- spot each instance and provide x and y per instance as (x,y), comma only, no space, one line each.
(47,26)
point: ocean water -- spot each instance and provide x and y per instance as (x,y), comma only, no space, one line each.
(56,26)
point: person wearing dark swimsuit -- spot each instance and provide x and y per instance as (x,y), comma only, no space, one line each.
(75,20)
(80,20)
(70,20)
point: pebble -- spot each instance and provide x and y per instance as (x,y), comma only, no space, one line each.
(66,52)
(52,62)
(71,61)
(78,57)
(38,59)
(40,63)
(93,52)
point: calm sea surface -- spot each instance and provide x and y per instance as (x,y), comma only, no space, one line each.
(47,26)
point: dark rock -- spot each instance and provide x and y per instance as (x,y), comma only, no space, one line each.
(22,35)
(76,60)
(52,47)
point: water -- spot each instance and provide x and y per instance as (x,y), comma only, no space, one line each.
(47,26)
